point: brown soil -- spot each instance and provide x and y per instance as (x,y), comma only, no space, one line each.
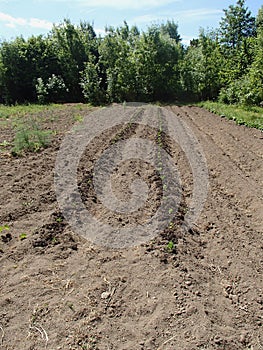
(59,291)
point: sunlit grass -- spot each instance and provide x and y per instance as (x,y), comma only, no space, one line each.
(242,115)
(23,110)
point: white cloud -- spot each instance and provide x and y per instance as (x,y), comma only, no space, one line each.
(199,13)
(13,22)
(128,4)
(121,4)
(100,32)
(196,14)
(145,19)
(40,23)
(4,17)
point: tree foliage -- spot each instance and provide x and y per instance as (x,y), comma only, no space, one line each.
(72,64)
(237,24)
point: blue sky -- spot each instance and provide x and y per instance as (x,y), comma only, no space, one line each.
(33,17)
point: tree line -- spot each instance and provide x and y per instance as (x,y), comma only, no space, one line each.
(73,64)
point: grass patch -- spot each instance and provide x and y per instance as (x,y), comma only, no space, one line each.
(7,112)
(242,115)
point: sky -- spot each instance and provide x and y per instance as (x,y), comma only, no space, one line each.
(34,17)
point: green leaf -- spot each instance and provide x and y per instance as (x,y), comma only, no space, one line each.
(23,236)
(4,227)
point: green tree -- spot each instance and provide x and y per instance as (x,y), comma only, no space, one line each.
(237,24)
(237,33)
(170,28)
(24,61)
(248,89)
(201,67)
(91,84)
(259,20)
(157,58)
(73,46)
(116,69)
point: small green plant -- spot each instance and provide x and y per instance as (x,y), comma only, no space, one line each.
(170,246)
(171,225)
(22,236)
(250,116)
(5,144)
(4,227)
(78,118)
(27,203)
(30,138)
(59,219)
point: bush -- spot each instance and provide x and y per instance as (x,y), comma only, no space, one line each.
(30,138)
(54,90)
(247,92)
(90,83)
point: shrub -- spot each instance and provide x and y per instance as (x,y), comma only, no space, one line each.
(54,90)
(30,138)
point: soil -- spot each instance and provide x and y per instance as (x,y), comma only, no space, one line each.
(205,291)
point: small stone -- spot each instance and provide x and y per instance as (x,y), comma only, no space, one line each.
(105,295)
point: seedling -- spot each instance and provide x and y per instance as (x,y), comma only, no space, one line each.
(78,118)
(28,204)
(4,227)
(171,225)
(5,144)
(170,246)
(23,236)
(59,219)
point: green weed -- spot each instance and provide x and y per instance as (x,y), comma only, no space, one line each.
(171,225)
(22,236)
(59,219)
(242,115)
(5,144)
(78,118)
(4,227)
(30,138)
(170,246)
(7,112)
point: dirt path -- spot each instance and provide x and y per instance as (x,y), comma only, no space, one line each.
(59,291)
